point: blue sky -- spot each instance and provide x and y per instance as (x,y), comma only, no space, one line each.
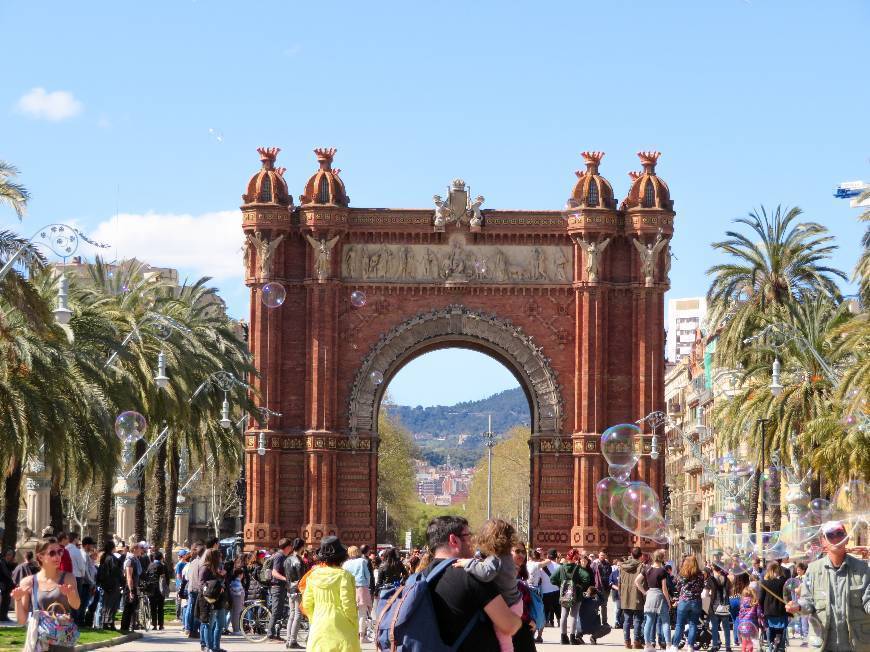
(751,102)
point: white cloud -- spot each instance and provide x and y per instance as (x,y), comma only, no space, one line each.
(208,244)
(54,106)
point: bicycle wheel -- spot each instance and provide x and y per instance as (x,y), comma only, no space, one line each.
(146,613)
(255,621)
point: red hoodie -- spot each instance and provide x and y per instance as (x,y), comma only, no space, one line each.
(65,561)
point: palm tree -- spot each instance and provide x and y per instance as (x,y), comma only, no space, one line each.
(862,269)
(13,194)
(780,261)
(809,395)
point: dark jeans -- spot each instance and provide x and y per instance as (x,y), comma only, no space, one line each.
(552,610)
(619,622)
(604,596)
(85,595)
(156,609)
(128,616)
(278,596)
(632,619)
(715,620)
(5,600)
(688,612)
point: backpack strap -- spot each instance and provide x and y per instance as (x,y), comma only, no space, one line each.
(477,619)
(442,566)
(34,586)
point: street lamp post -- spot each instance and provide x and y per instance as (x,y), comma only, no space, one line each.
(763,423)
(489,441)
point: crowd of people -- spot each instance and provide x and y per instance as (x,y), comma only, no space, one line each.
(488,592)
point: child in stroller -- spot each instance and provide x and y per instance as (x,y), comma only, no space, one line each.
(703,637)
(589,617)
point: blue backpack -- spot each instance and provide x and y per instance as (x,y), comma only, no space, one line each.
(537,610)
(407,622)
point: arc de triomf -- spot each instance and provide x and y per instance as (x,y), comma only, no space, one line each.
(570,300)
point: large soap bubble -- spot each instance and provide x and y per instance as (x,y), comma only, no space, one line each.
(273,295)
(130,426)
(792,588)
(620,444)
(821,508)
(620,471)
(640,500)
(747,630)
(357,298)
(852,498)
(604,490)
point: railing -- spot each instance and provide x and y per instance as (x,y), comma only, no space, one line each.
(692,464)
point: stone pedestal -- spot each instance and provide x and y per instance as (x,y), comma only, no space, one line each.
(37,484)
(182,522)
(125,493)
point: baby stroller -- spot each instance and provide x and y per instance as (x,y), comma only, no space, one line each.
(703,636)
(589,616)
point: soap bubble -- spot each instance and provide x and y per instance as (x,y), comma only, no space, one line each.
(747,631)
(641,501)
(604,489)
(620,471)
(273,295)
(620,444)
(216,134)
(480,267)
(820,507)
(719,518)
(357,298)
(852,498)
(792,588)
(849,420)
(377,377)
(130,426)
(796,496)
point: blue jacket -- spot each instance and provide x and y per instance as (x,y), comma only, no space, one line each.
(614,579)
(359,568)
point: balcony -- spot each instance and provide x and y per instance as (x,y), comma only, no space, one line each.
(693,465)
(705,434)
(675,409)
(707,479)
(691,506)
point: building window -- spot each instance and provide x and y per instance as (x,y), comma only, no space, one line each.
(592,199)
(649,194)
(266,189)
(323,191)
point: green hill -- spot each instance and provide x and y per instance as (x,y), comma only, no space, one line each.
(455,430)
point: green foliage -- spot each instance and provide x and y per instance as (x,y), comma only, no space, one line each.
(397,489)
(511,474)
(422,515)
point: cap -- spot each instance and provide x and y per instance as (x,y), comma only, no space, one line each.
(182,552)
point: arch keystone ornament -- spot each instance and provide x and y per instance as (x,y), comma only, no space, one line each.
(567,300)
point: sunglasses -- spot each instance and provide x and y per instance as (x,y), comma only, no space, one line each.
(835,536)
(54,552)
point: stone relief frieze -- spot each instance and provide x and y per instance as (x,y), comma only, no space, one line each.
(457,262)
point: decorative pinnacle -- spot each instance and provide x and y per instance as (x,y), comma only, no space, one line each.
(593,159)
(281,172)
(634,175)
(648,160)
(325,156)
(268,156)
(336,171)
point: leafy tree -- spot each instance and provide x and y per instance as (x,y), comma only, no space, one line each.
(511,475)
(397,487)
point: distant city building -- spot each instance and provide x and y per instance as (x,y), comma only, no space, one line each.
(685,317)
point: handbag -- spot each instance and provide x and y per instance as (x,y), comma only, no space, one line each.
(53,626)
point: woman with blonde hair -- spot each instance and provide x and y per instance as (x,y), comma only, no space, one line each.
(690,583)
(358,567)
(49,586)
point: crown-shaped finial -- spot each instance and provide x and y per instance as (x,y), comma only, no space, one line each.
(593,159)
(648,160)
(281,172)
(268,156)
(325,156)
(634,175)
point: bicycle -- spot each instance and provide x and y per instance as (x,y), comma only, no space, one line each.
(143,613)
(255,619)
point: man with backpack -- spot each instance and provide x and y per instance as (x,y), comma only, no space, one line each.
(601,570)
(273,569)
(445,606)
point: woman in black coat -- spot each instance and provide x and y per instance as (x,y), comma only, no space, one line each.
(772,601)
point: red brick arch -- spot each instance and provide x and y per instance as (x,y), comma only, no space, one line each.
(585,341)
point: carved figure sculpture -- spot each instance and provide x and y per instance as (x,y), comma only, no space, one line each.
(265,250)
(430,264)
(476,217)
(667,278)
(349,259)
(539,265)
(648,255)
(562,266)
(500,270)
(593,250)
(442,211)
(322,252)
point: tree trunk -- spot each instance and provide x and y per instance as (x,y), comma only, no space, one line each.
(171,498)
(12,504)
(776,497)
(139,527)
(55,504)
(104,511)
(753,501)
(160,513)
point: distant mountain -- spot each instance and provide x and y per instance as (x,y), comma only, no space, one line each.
(455,430)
